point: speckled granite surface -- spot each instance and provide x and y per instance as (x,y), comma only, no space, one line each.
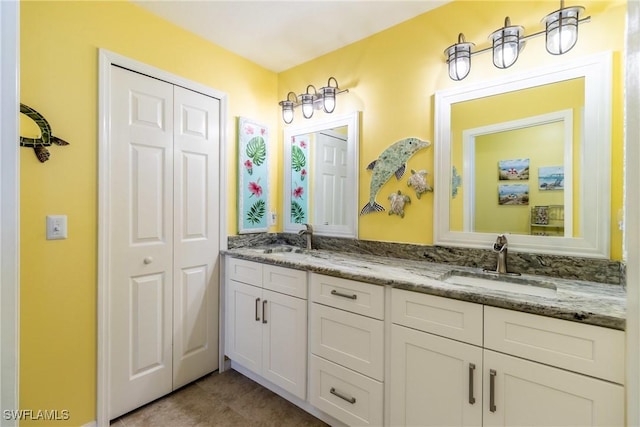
(595,270)
(581,301)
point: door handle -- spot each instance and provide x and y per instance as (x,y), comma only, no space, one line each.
(257,304)
(351,400)
(472,368)
(492,390)
(264,311)
(339,294)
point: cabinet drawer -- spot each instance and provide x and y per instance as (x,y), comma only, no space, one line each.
(357,297)
(588,349)
(244,271)
(459,320)
(285,280)
(348,339)
(346,395)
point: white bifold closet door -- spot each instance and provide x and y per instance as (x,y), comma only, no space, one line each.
(164,238)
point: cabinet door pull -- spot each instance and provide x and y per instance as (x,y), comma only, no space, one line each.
(472,368)
(351,400)
(264,311)
(492,390)
(257,304)
(339,294)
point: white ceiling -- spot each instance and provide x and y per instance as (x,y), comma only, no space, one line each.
(281,34)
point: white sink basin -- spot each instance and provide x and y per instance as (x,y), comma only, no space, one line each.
(508,284)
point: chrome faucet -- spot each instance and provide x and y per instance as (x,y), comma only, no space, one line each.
(308,231)
(500,247)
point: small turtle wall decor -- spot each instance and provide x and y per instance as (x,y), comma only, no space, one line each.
(418,181)
(397,203)
(46,138)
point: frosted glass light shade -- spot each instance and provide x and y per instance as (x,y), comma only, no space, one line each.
(562,29)
(329,99)
(506,44)
(287,113)
(459,59)
(307,105)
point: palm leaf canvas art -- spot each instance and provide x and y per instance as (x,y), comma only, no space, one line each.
(299,182)
(253,197)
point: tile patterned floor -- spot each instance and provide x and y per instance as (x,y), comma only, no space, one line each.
(227,399)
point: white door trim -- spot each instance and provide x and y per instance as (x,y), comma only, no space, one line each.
(632,209)
(106,60)
(10,207)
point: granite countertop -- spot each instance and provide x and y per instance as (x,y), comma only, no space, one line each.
(580,301)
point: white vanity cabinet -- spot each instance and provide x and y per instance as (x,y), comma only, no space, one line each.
(435,380)
(459,363)
(346,340)
(577,382)
(266,322)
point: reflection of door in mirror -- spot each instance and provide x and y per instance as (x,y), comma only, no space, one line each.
(321,176)
(329,178)
(507,164)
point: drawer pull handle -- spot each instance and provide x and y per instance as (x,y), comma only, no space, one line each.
(339,294)
(472,368)
(264,311)
(257,304)
(351,400)
(492,390)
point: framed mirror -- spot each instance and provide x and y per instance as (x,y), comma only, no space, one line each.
(528,156)
(321,176)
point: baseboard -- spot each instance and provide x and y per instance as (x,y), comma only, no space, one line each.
(302,404)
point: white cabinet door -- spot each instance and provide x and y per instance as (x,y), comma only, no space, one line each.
(435,381)
(519,392)
(244,325)
(266,332)
(284,342)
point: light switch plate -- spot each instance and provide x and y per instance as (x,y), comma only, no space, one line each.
(56,227)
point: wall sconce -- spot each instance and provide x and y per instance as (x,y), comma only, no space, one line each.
(311,100)
(561,32)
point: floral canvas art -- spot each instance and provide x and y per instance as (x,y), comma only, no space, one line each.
(253,177)
(299,179)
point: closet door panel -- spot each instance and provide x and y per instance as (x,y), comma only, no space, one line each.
(141,240)
(196,234)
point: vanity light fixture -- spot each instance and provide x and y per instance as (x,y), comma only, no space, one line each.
(506,44)
(561,32)
(311,100)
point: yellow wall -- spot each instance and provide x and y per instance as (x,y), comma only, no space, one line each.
(59,78)
(392,77)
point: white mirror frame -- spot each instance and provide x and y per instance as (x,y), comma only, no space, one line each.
(352,121)
(596,159)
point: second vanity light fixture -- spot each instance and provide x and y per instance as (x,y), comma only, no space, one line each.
(561,31)
(313,99)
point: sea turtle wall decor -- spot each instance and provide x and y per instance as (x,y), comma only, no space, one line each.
(397,203)
(46,138)
(418,181)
